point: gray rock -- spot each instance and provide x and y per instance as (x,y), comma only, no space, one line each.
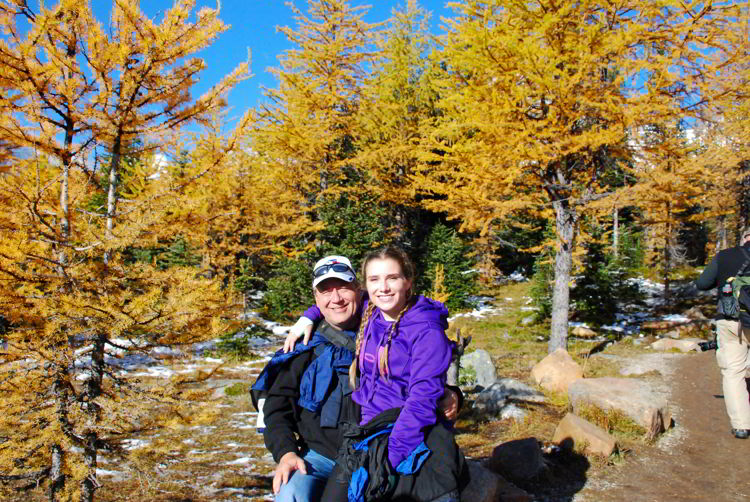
(517,390)
(490,402)
(518,460)
(513,412)
(527,320)
(452,375)
(487,486)
(484,369)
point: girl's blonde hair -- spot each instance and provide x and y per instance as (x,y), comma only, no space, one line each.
(408,271)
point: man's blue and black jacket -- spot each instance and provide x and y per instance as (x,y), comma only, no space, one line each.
(304,390)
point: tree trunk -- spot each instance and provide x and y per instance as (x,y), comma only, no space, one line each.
(721,234)
(565,219)
(93,390)
(57,479)
(89,485)
(112,193)
(615,232)
(667,261)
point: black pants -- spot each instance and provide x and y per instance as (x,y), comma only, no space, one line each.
(440,478)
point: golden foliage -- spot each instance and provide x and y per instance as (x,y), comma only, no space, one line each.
(79,304)
(438,288)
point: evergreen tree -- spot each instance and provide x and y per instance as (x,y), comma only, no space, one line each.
(444,250)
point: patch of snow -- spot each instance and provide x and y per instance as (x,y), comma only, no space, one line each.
(213,360)
(575,324)
(517,277)
(201,347)
(240,461)
(105,472)
(167,351)
(134,444)
(162,372)
(676,318)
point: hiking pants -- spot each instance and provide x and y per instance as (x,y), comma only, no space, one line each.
(733,357)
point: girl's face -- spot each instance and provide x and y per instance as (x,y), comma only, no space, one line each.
(387,286)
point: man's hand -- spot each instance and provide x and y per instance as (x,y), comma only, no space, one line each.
(289,463)
(299,329)
(448,405)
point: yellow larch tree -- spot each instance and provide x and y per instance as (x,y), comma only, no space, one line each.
(397,97)
(306,127)
(75,299)
(669,184)
(537,102)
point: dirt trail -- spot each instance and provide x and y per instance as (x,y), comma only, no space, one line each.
(700,460)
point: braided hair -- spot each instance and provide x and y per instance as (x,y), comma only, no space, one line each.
(354,368)
(408,270)
(383,361)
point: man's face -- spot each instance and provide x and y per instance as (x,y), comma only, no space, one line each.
(337,301)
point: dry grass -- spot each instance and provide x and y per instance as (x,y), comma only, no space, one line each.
(200,457)
(515,348)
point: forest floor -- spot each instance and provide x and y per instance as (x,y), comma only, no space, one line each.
(218,456)
(699,460)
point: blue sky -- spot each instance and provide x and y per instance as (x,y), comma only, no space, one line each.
(253,24)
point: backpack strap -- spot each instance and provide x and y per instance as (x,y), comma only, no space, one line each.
(742,271)
(743,267)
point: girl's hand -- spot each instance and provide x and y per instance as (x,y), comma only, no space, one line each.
(448,405)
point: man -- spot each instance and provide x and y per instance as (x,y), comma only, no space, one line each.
(732,352)
(304,388)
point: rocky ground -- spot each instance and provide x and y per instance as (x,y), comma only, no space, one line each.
(698,460)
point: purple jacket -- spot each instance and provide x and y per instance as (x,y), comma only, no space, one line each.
(419,357)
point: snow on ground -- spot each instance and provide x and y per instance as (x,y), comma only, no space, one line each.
(240,461)
(134,444)
(483,308)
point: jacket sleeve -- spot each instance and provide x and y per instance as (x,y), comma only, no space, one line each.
(280,411)
(708,278)
(313,313)
(430,357)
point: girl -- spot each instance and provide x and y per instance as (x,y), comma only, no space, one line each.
(401,359)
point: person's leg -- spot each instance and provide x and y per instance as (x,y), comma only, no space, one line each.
(732,357)
(307,487)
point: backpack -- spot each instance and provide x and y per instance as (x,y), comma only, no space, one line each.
(739,305)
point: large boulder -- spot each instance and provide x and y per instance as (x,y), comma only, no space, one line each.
(574,430)
(557,371)
(484,369)
(583,332)
(518,460)
(683,345)
(487,486)
(634,398)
